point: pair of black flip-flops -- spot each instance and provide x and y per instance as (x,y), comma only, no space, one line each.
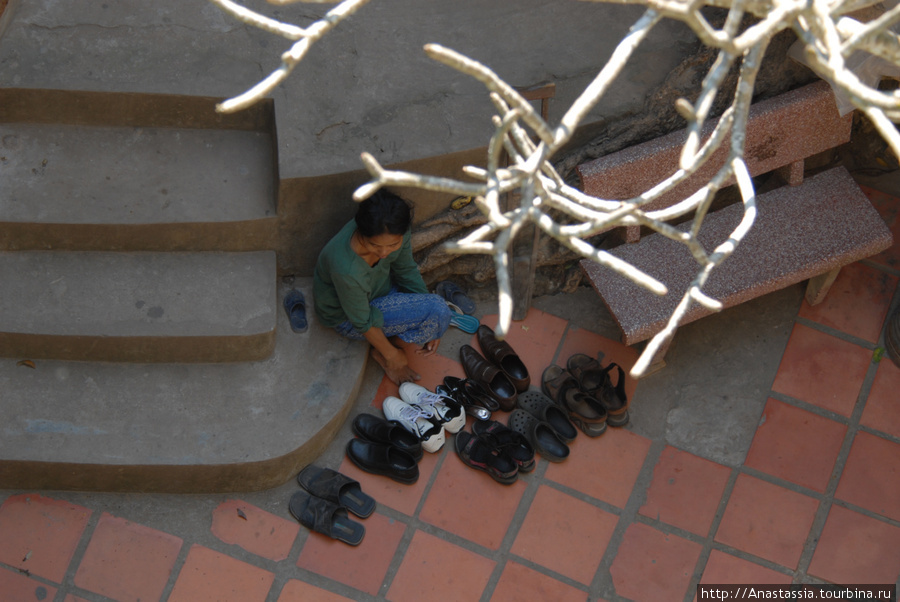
(324,505)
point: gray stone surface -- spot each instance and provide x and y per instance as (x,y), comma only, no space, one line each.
(367,86)
(98,413)
(709,398)
(99,294)
(72,174)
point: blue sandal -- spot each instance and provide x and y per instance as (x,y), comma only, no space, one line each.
(465,323)
(295,306)
(455,295)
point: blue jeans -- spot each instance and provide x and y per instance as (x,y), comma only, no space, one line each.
(415,318)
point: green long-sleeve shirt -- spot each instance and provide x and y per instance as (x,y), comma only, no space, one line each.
(344,284)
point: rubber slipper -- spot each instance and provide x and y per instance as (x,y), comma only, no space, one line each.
(543,408)
(476,452)
(465,323)
(585,412)
(452,293)
(515,444)
(540,434)
(325,517)
(334,487)
(295,306)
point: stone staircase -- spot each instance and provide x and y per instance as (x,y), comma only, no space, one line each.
(143,346)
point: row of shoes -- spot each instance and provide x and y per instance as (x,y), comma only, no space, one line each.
(580,396)
(414,423)
(325,501)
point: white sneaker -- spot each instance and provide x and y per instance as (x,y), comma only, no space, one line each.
(417,420)
(448,411)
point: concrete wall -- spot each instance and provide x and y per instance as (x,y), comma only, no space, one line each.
(367,86)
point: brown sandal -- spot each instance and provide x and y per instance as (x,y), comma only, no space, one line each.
(587,372)
(596,382)
(584,411)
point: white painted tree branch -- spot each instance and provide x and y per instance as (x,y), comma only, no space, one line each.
(528,143)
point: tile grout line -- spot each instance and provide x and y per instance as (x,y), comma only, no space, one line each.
(292,559)
(504,550)
(413,523)
(710,543)
(536,479)
(709,540)
(636,499)
(180,561)
(834,332)
(37,578)
(828,499)
(67,585)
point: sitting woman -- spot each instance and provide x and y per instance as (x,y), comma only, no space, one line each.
(367,286)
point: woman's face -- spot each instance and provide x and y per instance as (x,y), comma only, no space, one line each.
(382,245)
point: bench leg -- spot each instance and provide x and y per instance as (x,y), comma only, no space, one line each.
(632,233)
(818,286)
(659,360)
(792,173)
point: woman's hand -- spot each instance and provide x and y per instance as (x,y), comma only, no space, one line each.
(429,348)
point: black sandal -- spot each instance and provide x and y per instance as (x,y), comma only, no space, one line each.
(478,453)
(614,398)
(507,440)
(339,489)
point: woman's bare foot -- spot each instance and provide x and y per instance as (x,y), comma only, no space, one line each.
(402,375)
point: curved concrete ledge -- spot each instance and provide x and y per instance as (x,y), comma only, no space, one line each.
(138,307)
(178,427)
(250,235)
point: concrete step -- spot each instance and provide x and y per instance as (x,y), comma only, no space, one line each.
(144,307)
(178,427)
(88,187)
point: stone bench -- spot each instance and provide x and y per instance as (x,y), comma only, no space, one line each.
(807,230)
(781,133)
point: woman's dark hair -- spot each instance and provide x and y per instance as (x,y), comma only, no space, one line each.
(383,213)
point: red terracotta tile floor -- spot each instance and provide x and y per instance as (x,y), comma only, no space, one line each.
(628,516)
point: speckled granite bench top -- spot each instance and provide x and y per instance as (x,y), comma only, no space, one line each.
(800,232)
(782,130)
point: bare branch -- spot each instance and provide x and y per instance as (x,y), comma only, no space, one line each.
(830,36)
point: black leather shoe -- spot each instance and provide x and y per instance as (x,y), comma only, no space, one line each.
(378,430)
(383,459)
